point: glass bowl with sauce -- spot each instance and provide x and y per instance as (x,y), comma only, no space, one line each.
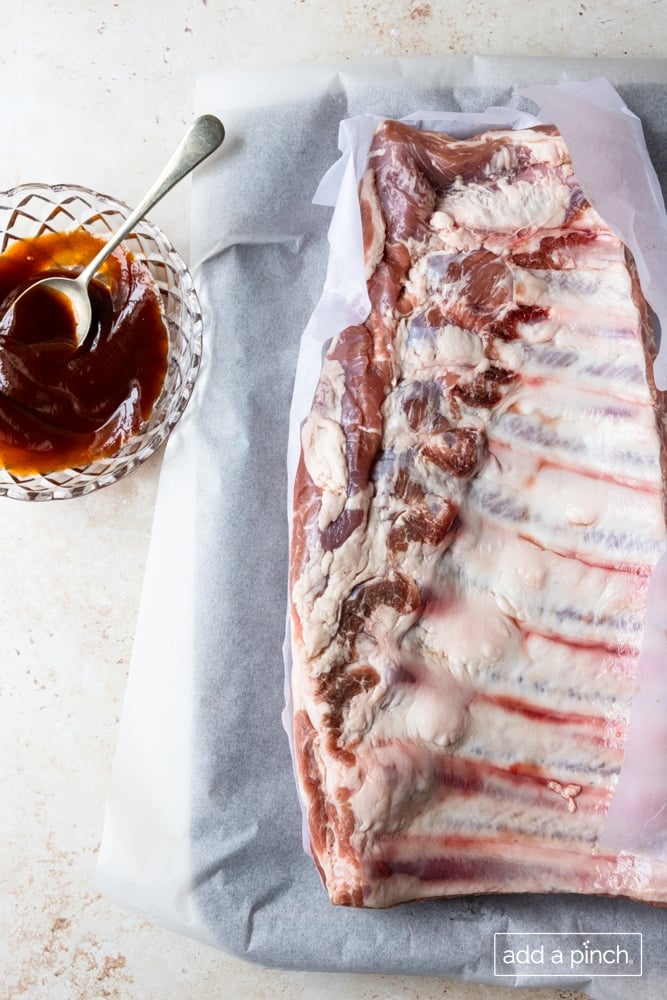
(73,420)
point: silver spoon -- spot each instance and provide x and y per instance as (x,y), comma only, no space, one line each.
(202,138)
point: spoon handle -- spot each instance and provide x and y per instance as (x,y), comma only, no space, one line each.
(202,138)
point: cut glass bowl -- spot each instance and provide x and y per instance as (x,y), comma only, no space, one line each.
(36,209)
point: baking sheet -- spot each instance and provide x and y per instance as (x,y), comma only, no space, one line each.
(202,826)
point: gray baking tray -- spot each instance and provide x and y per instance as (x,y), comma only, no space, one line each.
(259,249)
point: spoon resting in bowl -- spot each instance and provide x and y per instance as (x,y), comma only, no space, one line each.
(202,138)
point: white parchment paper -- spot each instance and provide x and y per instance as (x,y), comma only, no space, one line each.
(202,825)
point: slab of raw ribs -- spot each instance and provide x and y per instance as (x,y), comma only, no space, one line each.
(478,508)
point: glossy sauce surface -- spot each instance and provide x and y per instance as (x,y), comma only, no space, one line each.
(63,406)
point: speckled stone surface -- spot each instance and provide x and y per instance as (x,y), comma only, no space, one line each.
(98,93)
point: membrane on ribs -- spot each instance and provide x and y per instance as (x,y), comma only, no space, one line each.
(477,510)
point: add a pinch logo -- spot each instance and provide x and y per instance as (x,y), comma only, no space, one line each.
(598,953)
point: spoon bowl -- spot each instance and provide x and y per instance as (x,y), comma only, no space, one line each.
(72,293)
(202,138)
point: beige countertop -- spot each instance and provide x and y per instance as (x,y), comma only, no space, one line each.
(98,93)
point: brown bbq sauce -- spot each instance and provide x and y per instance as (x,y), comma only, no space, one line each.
(63,406)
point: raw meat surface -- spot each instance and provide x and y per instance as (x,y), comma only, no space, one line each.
(478,507)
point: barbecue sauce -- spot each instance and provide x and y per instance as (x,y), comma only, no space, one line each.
(63,405)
